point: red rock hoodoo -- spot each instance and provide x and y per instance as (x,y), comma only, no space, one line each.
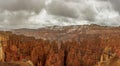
(60,46)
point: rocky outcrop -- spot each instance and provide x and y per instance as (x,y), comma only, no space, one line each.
(8,64)
(61,46)
(109,58)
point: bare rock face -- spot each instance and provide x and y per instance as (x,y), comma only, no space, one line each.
(61,46)
(8,64)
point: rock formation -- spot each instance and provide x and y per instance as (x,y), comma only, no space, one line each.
(108,58)
(60,46)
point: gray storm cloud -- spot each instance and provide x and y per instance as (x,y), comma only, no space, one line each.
(15,13)
(71,8)
(41,13)
(116,4)
(16,5)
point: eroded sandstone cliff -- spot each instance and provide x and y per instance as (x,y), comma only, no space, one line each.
(61,46)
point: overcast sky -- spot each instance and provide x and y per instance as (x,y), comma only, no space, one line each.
(116,4)
(39,13)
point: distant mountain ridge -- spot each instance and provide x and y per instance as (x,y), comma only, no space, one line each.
(56,32)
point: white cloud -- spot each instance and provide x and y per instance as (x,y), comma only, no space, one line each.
(40,13)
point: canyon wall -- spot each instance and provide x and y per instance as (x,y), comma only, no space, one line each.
(70,46)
